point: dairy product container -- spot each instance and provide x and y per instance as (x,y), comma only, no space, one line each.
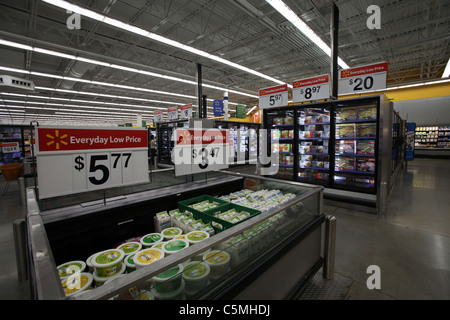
(108,262)
(70,268)
(77,283)
(196,275)
(147,256)
(169,280)
(150,239)
(130,247)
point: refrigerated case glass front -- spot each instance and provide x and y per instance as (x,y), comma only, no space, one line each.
(355,146)
(165,142)
(280,125)
(11,134)
(314,145)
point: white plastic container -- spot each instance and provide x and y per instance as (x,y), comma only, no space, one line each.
(170,233)
(218,261)
(199,257)
(158,245)
(108,263)
(99,281)
(174,246)
(176,295)
(89,263)
(130,247)
(69,268)
(129,263)
(150,239)
(147,256)
(168,281)
(77,283)
(195,276)
(197,236)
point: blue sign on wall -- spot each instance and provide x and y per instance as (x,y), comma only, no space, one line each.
(410,140)
(218,107)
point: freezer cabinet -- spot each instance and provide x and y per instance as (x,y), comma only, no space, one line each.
(269,256)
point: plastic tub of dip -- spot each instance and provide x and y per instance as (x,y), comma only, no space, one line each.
(158,245)
(70,268)
(77,283)
(108,263)
(150,239)
(147,256)
(196,275)
(174,246)
(170,233)
(99,281)
(218,261)
(168,281)
(197,236)
(130,247)
(89,263)
(129,263)
(175,295)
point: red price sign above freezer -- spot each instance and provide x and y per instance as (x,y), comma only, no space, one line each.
(172,113)
(158,115)
(361,79)
(273,97)
(186,111)
(71,159)
(311,89)
(9,147)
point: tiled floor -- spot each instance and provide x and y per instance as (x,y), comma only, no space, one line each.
(410,244)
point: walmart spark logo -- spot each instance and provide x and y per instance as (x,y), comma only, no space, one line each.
(184,137)
(56,139)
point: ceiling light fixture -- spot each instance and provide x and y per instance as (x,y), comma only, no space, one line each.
(292,17)
(127,27)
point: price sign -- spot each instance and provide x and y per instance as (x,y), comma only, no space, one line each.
(186,111)
(71,160)
(311,89)
(158,116)
(199,151)
(172,113)
(361,79)
(9,147)
(273,97)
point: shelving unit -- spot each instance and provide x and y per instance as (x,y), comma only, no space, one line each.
(432,137)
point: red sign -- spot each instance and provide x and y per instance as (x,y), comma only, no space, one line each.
(172,109)
(311,81)
(374,68)
(273,90)
(70,139)
(188,106)
(196,137)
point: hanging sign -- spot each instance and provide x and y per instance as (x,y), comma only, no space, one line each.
(9,147)
(273,97)
(308,89)
(158,115)
(78,159)
(218,107)
(361,79)
(198,151)
(240,111)
(172,113)
(186,111)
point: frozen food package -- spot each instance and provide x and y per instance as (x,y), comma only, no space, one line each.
(291,134)
(305,134)
(306,157)
(366,164)
(289,120)
(367,112)
(310,128)
(365,147)
(305,164)
(304,149)
(284,134)
(345,130)
(346,114)
(344,163)
(345,146)
(320,164)
(367,130)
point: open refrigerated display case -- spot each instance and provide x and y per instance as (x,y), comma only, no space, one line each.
(239,262)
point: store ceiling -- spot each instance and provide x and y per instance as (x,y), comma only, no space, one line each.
(414,38)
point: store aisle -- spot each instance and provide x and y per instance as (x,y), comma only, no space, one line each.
(411,244)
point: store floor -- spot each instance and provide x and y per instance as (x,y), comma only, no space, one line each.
(410,244)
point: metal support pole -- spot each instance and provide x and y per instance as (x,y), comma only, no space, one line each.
(204,106)
(22,187)
(199,90)
(330,247)
(334,30)
(19,232)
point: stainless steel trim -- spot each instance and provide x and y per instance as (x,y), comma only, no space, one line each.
(330,247)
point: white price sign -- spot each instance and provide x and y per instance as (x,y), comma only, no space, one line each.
(9,147)
(71,160)
(361,79)
(158,116)
(316,88)
(273,97)
(186,111)
(199,151)
(172,113)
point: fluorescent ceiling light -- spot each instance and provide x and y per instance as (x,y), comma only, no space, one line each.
(292,17)
(446,72)
(250,111)
(127,27)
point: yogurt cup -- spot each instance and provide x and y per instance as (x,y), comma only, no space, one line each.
(69,268)
(195,275)
(168,281)
(129,263)
(158,245)
(197,236)
(174,246)
(108,263)
(170,233)
(130,247)
(199,257)
(147,256)
(77,283)
(175,295)
(218,261)
(150,239)
(99,281)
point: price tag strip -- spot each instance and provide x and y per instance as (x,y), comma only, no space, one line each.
(361,79)
(74,159)
(199,151)
(273,97)
(316,88)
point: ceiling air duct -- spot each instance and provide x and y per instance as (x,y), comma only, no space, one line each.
(14,84)
(78,69)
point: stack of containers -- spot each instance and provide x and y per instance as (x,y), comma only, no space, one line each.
(108,264)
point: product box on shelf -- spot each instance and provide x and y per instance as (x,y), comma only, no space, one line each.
(344,163)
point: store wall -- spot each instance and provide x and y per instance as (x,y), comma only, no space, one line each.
(429,111)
